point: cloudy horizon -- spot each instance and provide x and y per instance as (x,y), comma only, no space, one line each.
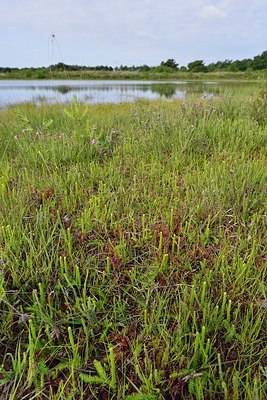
(115,32)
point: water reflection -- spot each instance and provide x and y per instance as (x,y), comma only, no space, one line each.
(62,89)
(167,90)
(103,91)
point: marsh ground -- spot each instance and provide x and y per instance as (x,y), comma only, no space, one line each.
(134,250)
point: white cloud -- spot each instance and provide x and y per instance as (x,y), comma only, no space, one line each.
(211,12)
(146,35)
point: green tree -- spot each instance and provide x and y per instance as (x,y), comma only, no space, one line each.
(197,66)
(144,68)
(171,63)
(260,62)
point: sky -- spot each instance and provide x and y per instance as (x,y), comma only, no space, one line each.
(35,33)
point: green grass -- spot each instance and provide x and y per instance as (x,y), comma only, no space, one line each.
(133,250)
(260,75)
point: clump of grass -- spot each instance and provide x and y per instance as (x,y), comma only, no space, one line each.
(133,251)
(259,107)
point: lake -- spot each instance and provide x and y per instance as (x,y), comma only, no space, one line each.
(18,91)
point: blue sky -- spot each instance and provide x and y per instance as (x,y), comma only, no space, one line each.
(131,32)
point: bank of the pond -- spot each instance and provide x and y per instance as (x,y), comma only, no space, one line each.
(133,75)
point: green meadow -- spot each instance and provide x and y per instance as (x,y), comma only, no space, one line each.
(153,74)
(133,249)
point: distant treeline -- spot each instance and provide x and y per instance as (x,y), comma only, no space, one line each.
(249,64)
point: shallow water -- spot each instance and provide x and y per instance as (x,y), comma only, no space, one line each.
(18,91)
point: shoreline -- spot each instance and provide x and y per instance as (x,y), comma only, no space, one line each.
(142,76)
